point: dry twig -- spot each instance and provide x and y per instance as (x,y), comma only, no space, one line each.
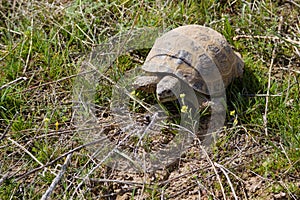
(228,179)
(56,159)
(24,149)
(265,37)
(8,127)
(215,170)
(57,178)
(265,116)
(30,47)
(4,177)
(12,82)
(52,82)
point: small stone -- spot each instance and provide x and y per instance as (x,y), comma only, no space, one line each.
(280,195)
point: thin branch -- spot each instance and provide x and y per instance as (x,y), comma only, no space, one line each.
(57,178)
(267,38)
(30,47)
(114,181)
(114,150)
(181,192)
(294,3)
(10,50)
(55,133)
(182,175)
(292,70)
(228,179)
(10,124)
(262,95)
(56,159)
(12,82)
(215,170)
(256,37)
(289,83)
(286,155)
(4,177)
(26,151)
(265,116)
(56,81)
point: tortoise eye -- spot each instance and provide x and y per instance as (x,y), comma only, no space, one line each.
(187,76)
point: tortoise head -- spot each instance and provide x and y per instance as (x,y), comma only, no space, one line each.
(168,88)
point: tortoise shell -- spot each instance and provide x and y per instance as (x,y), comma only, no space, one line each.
(198,55)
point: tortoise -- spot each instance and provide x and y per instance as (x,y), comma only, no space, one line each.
(192,55)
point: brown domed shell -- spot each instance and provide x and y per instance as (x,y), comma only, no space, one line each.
(198,55)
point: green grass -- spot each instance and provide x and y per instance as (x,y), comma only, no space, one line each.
(47,42)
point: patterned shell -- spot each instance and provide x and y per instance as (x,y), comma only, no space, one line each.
(198,55)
